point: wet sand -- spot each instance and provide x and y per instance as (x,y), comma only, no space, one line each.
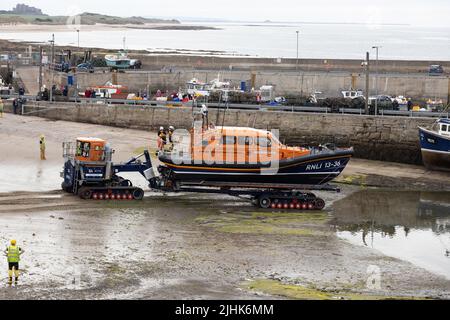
(25,28)
(176,246)
(394,175)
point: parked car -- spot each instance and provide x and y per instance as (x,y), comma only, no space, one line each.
(5,92)
(383,103)
(85,67)
(436,69)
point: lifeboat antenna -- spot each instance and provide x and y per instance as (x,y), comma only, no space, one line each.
(224,113)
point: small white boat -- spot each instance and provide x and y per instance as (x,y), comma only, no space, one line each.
(197,88)
(353,94)
(121,61)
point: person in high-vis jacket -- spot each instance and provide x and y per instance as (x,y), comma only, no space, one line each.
(13,253)
(42,147)
(170,138)
(205,118)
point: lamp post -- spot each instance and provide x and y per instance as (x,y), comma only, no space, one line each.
(52,66)
(78,32)
(376,78)
(367,65)
(40,71)
(296,66)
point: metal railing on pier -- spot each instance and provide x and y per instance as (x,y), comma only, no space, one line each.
(222,106)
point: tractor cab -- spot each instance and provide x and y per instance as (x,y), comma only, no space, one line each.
(90,172)
(90,150)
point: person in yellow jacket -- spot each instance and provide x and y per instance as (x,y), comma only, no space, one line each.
(13,253)
(42,147)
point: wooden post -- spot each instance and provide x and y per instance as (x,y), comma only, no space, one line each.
(253,80)
(354,76)
(114,77)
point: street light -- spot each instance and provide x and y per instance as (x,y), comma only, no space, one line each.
(78,32)
(376,78)
(366,64)
(296,66)
(52,66)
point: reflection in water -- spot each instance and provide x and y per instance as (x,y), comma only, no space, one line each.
(412,226)
(26,177)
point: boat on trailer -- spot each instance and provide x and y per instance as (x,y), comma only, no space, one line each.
(248,157)
(435,145)
(240,162)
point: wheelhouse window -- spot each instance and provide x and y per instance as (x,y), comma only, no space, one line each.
(245,141)
(264,142)
(83,149)
(228,140)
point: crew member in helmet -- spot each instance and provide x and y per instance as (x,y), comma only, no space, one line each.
(170,136)
(205,116)
(162,138)
(161,129)
(13,253)
(42,146)
(171,131)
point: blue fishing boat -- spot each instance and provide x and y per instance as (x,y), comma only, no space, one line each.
(435,145)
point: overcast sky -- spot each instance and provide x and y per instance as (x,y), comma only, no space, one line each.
(420,12)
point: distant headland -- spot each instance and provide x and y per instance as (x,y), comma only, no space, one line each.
(24,14)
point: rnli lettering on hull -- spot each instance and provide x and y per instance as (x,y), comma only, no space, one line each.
(323,165)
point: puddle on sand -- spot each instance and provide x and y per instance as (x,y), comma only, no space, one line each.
(41,177)
(411,226)
(32,178)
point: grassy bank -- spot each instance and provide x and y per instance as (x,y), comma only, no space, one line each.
(86,18)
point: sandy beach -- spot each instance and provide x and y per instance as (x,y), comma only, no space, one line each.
(18,28)
(179,246)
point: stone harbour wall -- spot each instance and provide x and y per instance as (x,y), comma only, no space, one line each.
(377,138)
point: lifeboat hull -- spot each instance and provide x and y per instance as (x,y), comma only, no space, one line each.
(316,169)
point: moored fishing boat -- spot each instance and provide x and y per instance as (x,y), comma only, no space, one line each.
(435,145)
(121,61)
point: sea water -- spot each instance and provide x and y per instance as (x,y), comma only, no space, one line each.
(274,40)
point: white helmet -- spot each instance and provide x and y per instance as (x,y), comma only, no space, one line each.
(171,128)
(161,128)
